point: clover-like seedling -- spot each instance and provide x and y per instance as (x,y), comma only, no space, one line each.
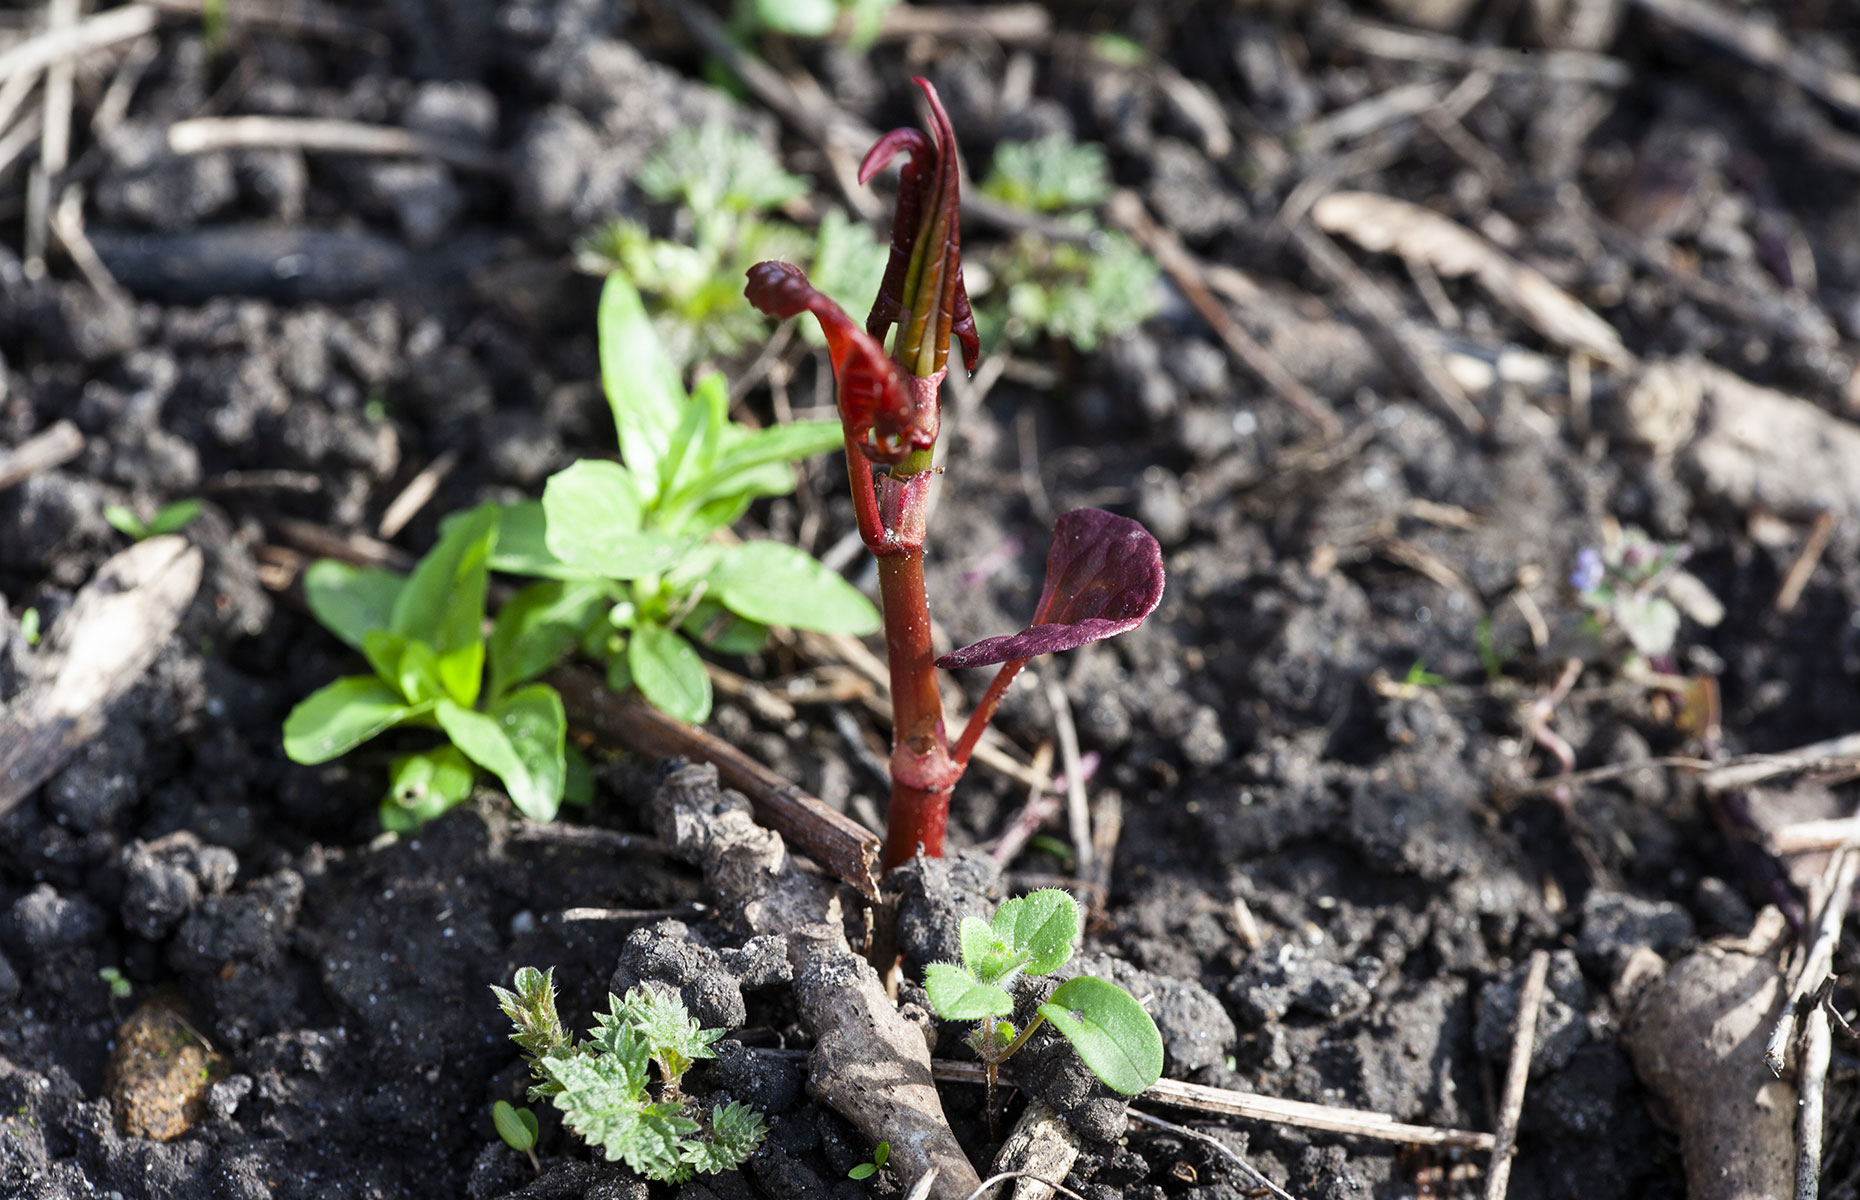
(424,636)
(602,1084)
(1033,935)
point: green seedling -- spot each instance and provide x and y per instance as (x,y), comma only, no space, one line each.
(29,626)
(518,1128)
(602,1083)
(120,987)
(881,1154)
(1033,935)
(424,636)
(1639,588)
(1079,292)
(726,185)
(625,544)
(1419,676)
(169,518)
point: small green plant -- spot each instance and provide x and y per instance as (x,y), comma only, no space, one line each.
(1033,935)
(424,636)
(1637,586)
(881,1154)
(518,1128)
(1419,676)
(29,626)
(726,184)
(169,518)
(634,535)
(120,987)
(1082,293)
(602,1084)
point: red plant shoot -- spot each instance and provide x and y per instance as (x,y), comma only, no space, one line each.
(1104,573)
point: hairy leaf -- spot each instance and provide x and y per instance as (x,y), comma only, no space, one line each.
(1111,1032)
(676,1038)
(531,1008)
(735,1132)
(1041,927)
(1104,575)
(957,995)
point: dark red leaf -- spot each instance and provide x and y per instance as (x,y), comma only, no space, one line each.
(928,202)
(1104,574)
(878,404)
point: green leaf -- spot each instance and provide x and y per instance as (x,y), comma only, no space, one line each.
(695,441)
(537,627)
(735,1132)
(1042,926)
(1111,1032)
(522,544)
(422,786)
(442,603)
(669,673)
(776,444)
(881,1154)
(676,1038)
(416,670)
(173,518)
(125,521)
(957,995)
(778,584)
(519,741)
(987,955)
(711,624)
(340,716)
(593,512)
(461,672)
(642,384)
(516,1126)
(351,602)
(864,1170)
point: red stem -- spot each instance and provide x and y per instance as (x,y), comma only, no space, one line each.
(985,711)
(922,773)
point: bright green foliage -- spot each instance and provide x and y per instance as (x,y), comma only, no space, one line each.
(120,987)
(517,1126)
(1081,293)
(881,1154)
(1049,175)
(29,626)
(1034,935)
(169,518)
(726,183)
(603,1084)
(634,579)
(424,636)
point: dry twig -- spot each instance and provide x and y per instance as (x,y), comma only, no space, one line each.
(40,452)
(72,41)
(404,507)
(1517,1074)
(1796,581)
(1812,963)
(1760,42)
(203,134)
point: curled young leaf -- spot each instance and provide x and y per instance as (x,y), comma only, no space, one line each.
(881,413)
(923,293)
(1104,575)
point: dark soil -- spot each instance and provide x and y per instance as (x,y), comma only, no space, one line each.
(1273,771)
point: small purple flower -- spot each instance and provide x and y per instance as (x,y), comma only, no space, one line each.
(1589,570)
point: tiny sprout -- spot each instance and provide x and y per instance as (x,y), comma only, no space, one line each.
(518,1128)
(120,988)
(170,518)
(881,1154)
(29,626)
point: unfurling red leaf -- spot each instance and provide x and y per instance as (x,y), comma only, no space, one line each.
(1110,1030)
(923,290)
(1104,575)
(878,410)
